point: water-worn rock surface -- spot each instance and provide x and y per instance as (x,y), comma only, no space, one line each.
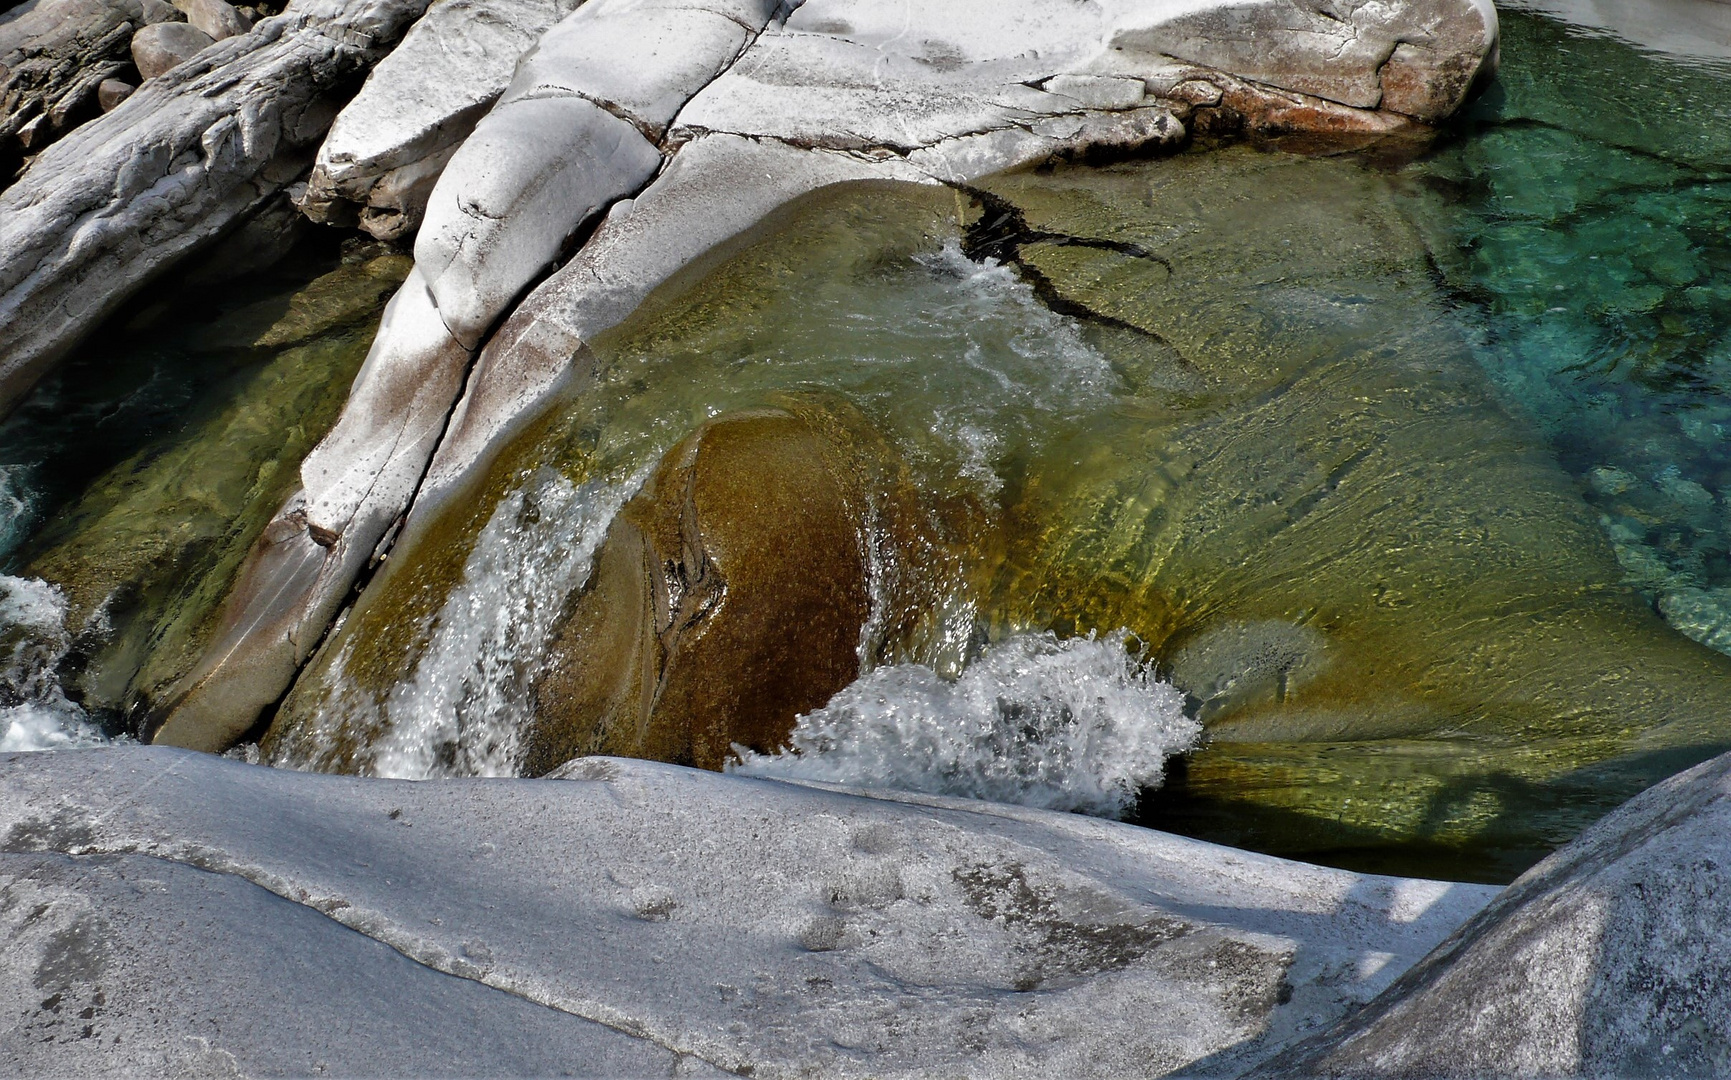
(388,146)
(53,56)
(187,157)
(715,921)
(1605,960)
(728,94)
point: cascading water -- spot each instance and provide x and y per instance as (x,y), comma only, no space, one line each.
(1078,725)
(35,713)
(462,710)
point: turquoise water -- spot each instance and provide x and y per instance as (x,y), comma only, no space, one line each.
(1580,212)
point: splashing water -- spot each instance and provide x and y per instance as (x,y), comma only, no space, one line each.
(1079,725)
(36,714)
(463,710)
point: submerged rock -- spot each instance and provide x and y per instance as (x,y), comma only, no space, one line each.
(839,934)
(146,553)
(1432,640)
(730,596)
(1607,959)
(126,196)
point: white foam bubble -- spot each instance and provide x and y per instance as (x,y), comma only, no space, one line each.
(39,716)
(463,710)
(1080,725)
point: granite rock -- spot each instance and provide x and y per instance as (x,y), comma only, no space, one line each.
(161,47)
(733,923)
(388,146)
(1606,959)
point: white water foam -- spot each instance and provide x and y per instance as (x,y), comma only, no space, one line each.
(1054,369)
(1077,725)
(462,711)
(37,714)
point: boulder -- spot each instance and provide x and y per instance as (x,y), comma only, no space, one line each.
(192,153)
(53,56)
(1606,959)
(388,146)
(218,18)
(729,597)
(111,92)
(161,47)
(837,933)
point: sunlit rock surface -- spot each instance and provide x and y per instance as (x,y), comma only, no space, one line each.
(697,920)
(1607,959)
(497,220)
(386,149)
(126,196)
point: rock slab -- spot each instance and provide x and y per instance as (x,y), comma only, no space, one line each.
(1608,959)
(730,923)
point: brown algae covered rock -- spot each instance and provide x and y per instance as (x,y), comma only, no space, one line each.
(728,597)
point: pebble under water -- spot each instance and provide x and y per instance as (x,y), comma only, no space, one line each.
(1047,391)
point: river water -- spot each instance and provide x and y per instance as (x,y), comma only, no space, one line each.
(1364,507)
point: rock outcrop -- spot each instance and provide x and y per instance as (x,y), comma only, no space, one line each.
(53,56)
(728,598)
(1607,959)
(635,915)
(387,148)
(173,168)
(843,89)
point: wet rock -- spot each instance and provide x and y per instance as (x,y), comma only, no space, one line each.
(218,18)
(161,47)
(147,552)
(53,56)
(111,92)
(997,941)
(729,596)
(388,146)
(93,220)
(1606,959)
(947,97)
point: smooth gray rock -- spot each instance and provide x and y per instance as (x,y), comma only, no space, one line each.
(132,965)
(127,195)
(746,924)
(53,56)
(512,197)
(378,165)
(218,18)
(1607,959)
(162,47)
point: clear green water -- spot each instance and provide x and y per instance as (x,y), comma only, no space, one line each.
(1582,217)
